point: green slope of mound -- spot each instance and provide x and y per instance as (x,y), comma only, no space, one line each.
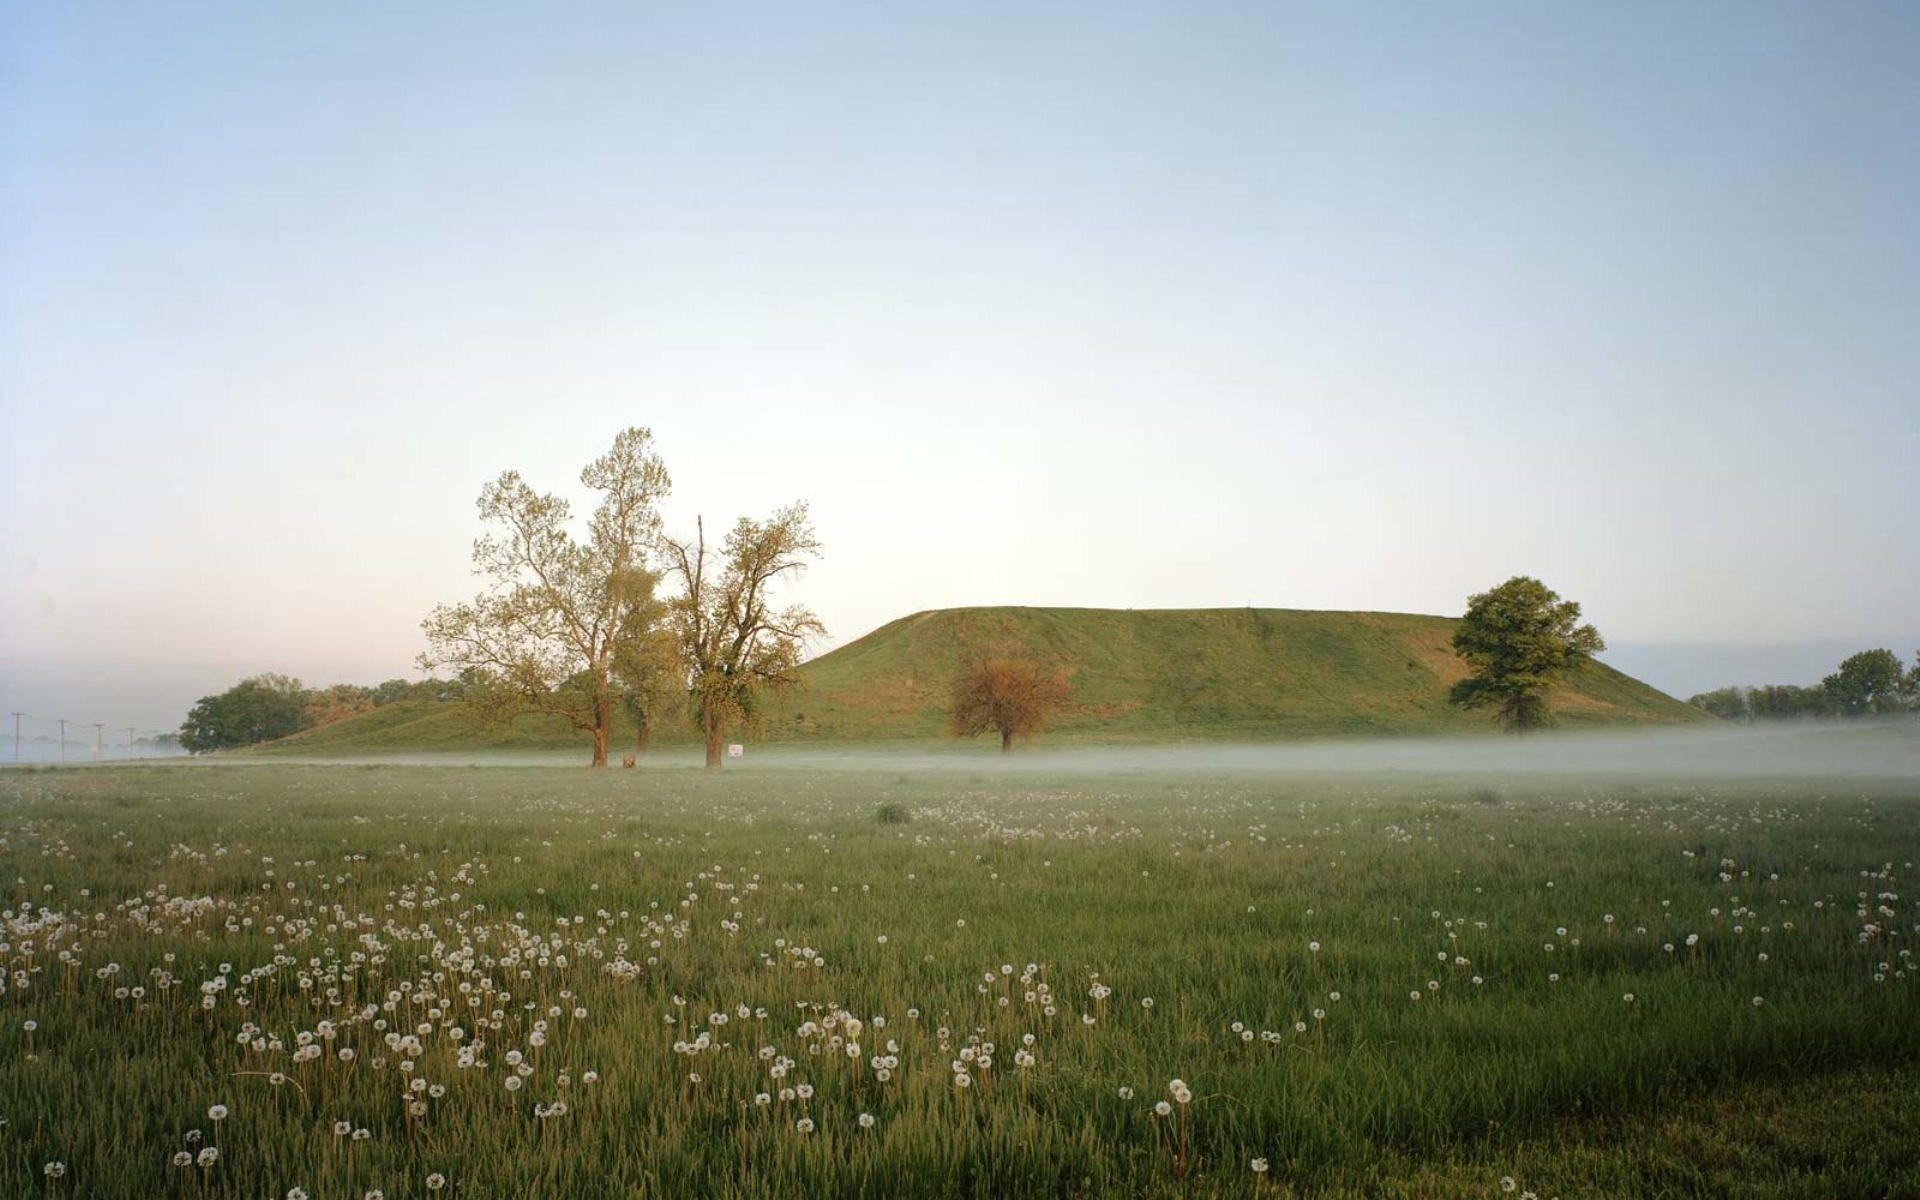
(1138,675)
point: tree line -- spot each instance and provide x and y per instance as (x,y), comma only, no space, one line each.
(269,706)
(1867,683)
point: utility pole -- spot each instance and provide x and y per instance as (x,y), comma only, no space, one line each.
(63,739)
(16,735)
(129,741)
(97,727)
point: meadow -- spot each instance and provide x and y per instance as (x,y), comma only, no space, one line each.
(290,980)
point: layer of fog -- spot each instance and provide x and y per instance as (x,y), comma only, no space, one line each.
(1885,749)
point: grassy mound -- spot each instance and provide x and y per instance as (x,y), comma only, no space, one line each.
(1138,675)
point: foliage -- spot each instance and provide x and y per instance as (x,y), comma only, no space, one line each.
(1012,696)
(736,648)
(1872,681)
(646,667)
(1787,701)
(248,713)
(543,634)
(1727,703)
(1520,639)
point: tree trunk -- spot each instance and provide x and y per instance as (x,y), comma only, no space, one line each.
(602,720)
(645,727)
(1006,740)
(716,731)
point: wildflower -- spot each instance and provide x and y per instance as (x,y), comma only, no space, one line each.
(1179,1090)
(208,1156)
(803,1125)
(217,1113)
(436,1181)
(53,1170)
(1259,1166)
(866,1120)
(1162,1109)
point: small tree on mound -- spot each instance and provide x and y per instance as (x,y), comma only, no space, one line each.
(1013,696)
(1520,639)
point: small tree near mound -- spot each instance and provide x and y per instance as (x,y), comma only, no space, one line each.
(1520,639)
(1013,696)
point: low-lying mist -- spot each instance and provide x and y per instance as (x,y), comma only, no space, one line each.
(1884,749)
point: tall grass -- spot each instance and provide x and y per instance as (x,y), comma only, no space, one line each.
(1333,967)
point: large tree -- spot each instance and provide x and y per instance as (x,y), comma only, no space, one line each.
(1520,639)
(542,636)
(1008,694)
(254,710)
(735,647)
(1872,681)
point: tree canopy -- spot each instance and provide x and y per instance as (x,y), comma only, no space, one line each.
(1008,694)
(1872,681)
(1520,639)
(252,711)
(543,635)
(734,645)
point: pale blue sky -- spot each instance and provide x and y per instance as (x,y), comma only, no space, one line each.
(1133,305)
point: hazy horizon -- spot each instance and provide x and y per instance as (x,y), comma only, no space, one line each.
(1206,305)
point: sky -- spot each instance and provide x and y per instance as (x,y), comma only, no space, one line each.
(1129,305)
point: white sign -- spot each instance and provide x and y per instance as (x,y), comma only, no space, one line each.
(736,750)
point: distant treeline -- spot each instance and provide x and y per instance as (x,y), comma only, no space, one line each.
(274,706)
(1872,681)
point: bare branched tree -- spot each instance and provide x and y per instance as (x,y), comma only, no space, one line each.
(735,647)
(543,634)
(1012,696)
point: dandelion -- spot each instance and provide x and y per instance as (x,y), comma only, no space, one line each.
(208,1156)
(436,1181)
(1259,1166)
(803,1125)
(217,1113)
(866,1120)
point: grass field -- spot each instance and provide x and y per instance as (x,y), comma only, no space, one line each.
(964,980)
(1139,675)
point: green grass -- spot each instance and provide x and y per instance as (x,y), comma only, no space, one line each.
(1139,675)
(495,899)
